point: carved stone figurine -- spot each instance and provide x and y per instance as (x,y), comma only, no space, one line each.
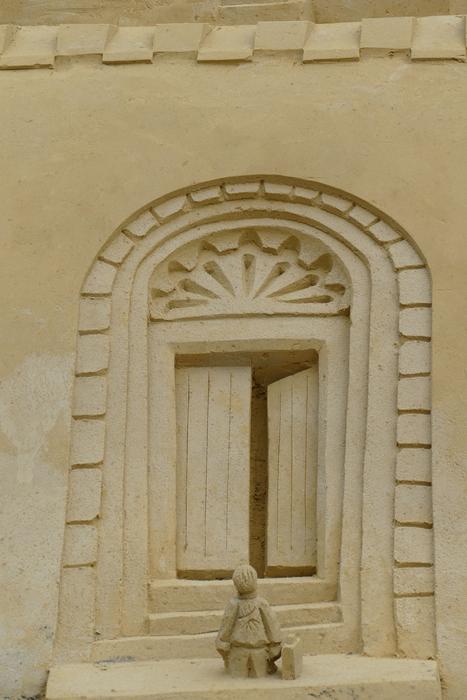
(249,639)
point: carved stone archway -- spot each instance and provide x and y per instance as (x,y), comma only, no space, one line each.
(376,557)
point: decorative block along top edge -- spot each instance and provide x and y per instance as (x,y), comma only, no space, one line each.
(424,38)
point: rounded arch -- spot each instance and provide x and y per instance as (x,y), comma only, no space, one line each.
(109,453)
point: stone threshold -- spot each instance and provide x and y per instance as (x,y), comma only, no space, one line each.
(333,677)
(326,636)
(422,38)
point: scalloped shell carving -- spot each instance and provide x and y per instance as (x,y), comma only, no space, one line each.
(249,273)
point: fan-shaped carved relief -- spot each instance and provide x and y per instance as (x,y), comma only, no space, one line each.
(249,273)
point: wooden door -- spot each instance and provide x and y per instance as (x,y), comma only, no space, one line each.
(292,470)
(213,463)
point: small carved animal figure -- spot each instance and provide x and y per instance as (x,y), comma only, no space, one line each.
(249,639)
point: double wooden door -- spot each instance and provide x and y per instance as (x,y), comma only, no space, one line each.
(213,406)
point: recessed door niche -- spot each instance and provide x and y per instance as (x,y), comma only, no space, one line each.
(248,382)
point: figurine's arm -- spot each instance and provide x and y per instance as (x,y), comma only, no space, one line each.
(226,628)
(272,628)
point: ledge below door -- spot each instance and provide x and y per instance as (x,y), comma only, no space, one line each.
(332,677)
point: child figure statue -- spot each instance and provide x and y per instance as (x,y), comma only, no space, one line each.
(249,639)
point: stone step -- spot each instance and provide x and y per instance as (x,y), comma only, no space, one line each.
(331,677)
(328,638)
(180,595)
(200,622)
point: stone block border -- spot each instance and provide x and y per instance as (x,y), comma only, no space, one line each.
(423,38)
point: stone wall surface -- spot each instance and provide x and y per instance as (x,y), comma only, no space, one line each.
(138,12)
(86,145)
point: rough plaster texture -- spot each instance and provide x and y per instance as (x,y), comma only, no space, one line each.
(34,416)
(87,145)
(134,12)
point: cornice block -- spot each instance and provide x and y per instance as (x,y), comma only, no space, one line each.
(438,38)
(29,47)
(333,42)
(281,36)
(228,44)
(385,35)
(130,45)
(83,39)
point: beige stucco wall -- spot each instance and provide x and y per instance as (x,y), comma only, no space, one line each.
(86,145)
(137,12)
